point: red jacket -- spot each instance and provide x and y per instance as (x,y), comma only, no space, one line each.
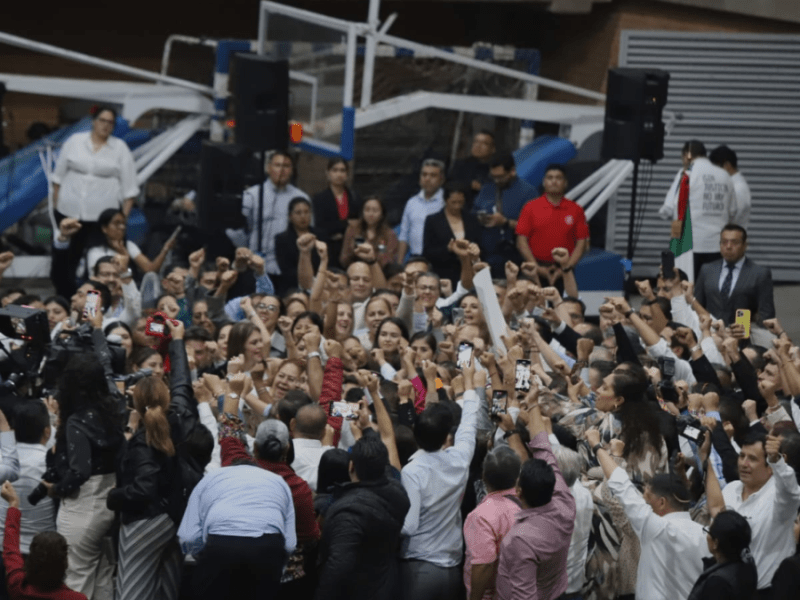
(18,588)
(305,519)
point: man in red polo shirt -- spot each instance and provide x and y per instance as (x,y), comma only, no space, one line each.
(549,222)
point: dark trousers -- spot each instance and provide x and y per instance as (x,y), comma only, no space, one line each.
(701,258)
(65,281)
(765,594)
(422,580)
(233,567)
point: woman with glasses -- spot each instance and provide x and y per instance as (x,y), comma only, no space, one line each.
(94,172)
(111,242)
(334,207)
(731,573)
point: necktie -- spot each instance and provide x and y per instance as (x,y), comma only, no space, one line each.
(726,285)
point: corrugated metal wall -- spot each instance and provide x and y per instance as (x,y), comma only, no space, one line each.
(742,90)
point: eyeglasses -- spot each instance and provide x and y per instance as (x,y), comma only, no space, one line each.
(269,307)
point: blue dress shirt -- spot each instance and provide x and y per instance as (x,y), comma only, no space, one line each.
(239,501)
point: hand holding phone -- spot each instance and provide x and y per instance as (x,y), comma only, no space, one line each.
(743,318)
(464,354)
(499,403)
(93,305)
(668,264)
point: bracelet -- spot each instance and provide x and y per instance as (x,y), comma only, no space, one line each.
(566,269)
(232,395)
(695,349)
(597,447)
(313,355)
(509,433)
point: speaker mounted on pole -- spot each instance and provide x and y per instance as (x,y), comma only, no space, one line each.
(634,128)
(261,96)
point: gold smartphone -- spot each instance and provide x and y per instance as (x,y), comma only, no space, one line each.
(743,318)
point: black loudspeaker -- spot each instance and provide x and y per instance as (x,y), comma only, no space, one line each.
(261,88)
(225,171)
(634,128)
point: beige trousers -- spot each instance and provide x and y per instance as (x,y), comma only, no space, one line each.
(84,521)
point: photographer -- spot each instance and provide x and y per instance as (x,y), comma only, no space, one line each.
(87,442)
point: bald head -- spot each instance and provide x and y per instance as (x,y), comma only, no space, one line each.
(310,422)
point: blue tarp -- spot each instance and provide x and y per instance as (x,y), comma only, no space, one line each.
(22,181)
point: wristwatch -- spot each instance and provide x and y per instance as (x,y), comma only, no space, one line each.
(596,447)
(509,433)
(313,354)
(126,274)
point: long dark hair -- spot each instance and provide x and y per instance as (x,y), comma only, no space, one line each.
(381,227)
(82,386)
(640,423)
(237,338)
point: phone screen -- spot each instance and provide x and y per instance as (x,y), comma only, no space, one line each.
(93,304)
(522,375)
(346,410)
(464,354)
(499,402)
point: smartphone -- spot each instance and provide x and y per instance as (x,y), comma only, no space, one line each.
(522,375)
(359,241)
(482,215)
(464,354)
(94,303)
(667,364)
(743,318)
(668,264)
(347,410)
(458,315)
(499,402)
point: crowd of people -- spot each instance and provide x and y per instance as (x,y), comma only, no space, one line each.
(339,411)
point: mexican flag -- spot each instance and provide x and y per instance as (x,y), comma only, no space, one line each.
(681,242)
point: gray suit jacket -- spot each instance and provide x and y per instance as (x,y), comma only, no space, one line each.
(753,291)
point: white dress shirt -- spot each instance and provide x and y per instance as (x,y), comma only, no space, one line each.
(35,519)
(307,454)
(683,370)
(435,483)
(743,202)
(770,512)
(711,203)
(275,219)
(579,546)
(673,546)
(737,270)
(418,208)
(93,181)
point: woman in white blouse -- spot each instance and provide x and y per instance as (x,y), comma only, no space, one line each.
(94,171)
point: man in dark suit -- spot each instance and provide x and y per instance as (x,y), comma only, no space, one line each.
(734,282)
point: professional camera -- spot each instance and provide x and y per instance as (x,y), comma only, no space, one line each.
(157,326)
(691,428)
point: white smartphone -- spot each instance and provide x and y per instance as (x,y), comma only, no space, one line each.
(94,303)
(464,354)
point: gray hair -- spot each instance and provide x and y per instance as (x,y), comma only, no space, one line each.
(272,428)
(569,462)
(434,162)
(501,468)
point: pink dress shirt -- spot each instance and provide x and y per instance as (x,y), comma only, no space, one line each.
(533,554)
(484,529)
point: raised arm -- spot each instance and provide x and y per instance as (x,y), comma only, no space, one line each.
(315,301)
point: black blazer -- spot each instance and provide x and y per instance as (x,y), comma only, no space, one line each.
(327,222)
(728,581)
(288,256)
(753,291)
(436,237)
